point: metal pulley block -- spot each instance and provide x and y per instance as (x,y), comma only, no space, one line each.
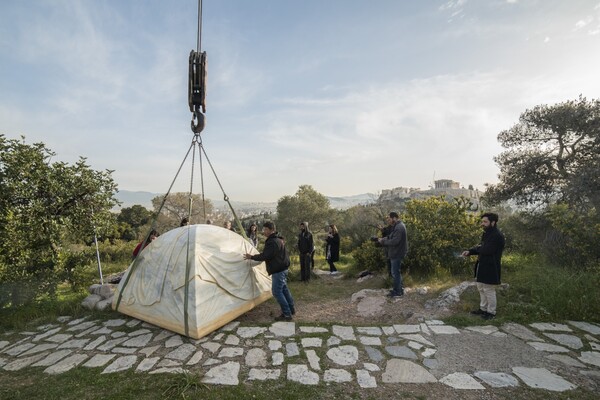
(197,90)
(197,82)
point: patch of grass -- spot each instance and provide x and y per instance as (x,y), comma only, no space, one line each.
(538,292)
(85,383)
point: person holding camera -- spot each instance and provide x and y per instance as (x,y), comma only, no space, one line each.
(396,245)
(385,231)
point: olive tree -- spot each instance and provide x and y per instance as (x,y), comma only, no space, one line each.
(44,206)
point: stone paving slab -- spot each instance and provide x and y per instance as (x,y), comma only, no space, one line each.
(367,356)
(543,379)
(497,379)
(461,380)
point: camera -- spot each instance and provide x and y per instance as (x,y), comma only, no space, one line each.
(375,241)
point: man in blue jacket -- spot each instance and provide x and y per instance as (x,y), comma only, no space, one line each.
(277,260)
(487,268)
(396,245)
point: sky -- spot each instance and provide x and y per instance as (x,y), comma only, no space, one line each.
(348,96)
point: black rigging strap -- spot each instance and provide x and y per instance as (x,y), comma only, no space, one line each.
(197,81)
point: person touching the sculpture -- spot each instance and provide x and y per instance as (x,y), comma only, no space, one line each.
(488,266)
(306,247)
(277,260)
(396,245)
(332,249)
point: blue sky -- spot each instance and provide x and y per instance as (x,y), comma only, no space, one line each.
(348,96)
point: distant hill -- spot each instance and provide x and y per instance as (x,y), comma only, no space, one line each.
(129,198)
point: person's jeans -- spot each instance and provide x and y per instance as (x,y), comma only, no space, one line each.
(282,294)
(305,260)
(397,276)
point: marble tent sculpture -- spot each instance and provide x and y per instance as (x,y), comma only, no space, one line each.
(219,285)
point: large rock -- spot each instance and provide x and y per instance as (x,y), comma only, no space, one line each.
(107,291)
(90,302)
(104,305)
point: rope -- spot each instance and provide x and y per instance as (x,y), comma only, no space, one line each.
(225,197)
(136,261)
(192,180)
(202,180)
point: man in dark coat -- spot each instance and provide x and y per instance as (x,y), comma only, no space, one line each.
(396,245)
(305,248)
(487,269)
(277,259)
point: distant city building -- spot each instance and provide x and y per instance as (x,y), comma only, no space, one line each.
(446,184)
(442,187)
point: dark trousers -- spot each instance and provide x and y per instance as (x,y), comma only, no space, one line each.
(332,267)
(305,262)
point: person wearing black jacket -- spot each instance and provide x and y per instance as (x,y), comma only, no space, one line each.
(277,260)
(487,268)
(332,251)
(305,248)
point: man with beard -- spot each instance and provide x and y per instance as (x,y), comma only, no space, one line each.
(487,268)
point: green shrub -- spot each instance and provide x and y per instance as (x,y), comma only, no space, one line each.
(575,238)
(438,231)
(369,257)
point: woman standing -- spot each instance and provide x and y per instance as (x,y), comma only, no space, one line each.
(253,235)
(333,248)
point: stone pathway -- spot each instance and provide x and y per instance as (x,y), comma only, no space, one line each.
(367,355)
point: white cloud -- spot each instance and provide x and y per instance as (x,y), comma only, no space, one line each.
(582,23)
(452,4)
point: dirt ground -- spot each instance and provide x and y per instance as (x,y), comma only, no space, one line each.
(409,309)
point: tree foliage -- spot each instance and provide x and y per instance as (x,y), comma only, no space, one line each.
(360,223)
(438,231)
(43,206)
(132,220)
(307,205)
(177,207)
(553,155)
